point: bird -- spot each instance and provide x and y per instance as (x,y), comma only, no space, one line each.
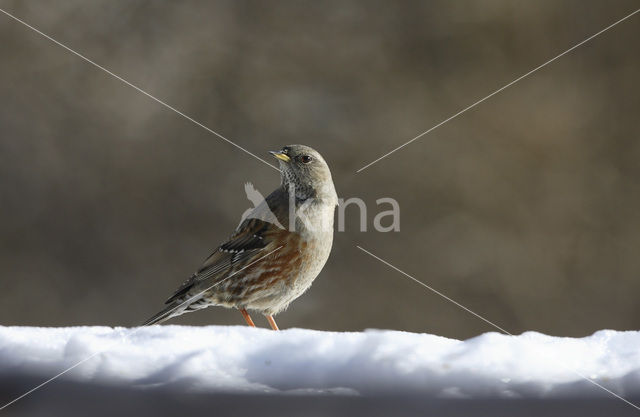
(266,264)
(256,199)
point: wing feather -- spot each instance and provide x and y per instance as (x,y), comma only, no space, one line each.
(250,238)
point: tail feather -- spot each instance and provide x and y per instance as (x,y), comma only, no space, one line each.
(170,311)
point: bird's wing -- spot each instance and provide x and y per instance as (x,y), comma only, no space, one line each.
(251,237)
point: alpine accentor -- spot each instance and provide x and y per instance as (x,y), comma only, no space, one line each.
(277,250)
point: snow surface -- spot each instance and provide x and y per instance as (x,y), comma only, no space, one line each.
(242,359)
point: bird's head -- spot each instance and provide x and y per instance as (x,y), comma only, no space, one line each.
(305,169)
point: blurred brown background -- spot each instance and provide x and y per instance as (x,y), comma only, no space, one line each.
(526,209)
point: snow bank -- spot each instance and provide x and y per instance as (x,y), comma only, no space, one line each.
(242,359)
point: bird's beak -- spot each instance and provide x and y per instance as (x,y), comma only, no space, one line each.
(280,155)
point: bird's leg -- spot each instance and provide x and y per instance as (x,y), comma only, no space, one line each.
(247,317)
(271,321)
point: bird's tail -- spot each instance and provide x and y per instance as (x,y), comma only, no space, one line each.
(171,310)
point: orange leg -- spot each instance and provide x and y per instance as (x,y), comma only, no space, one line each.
(247,317)
(272,322)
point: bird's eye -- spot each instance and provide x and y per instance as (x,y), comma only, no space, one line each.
(305,159)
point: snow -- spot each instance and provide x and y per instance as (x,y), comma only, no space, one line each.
(246,360)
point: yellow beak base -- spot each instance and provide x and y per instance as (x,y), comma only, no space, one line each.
(281,156)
